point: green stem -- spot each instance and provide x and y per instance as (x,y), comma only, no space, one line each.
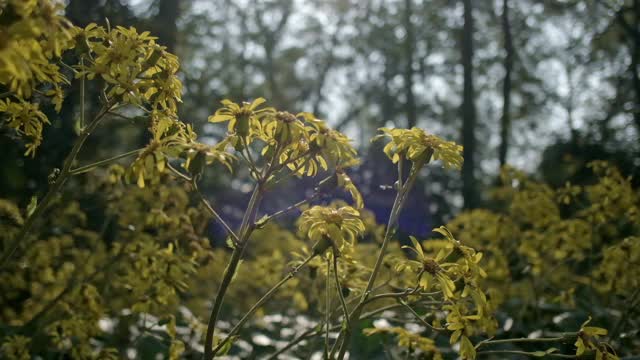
(87,168)
(311,332)
(232,266)
(563,337)
(54,189)
(294,342)
(417,316)
(179,174)
(266,297)
(525,353)
(327,311)
(292,207)
(249,159)
(318,330)
(82,95)
(391,227)
(339,289)
(214,213)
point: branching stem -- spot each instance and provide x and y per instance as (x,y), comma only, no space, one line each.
(89,167)
(398,204)
(54,189)
(339,288)
(214,213)
(266,297)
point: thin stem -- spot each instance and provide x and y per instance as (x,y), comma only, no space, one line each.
(87,168)
(319,329)
(54,189)
(179,174)
(214,213)
(294,342)
(417,316)
(292,207)
(339,289)
(121,116)
(327,311)
(231,268)
(525,353)
(402,295)
(82,95)
(563,337)
(249,159)
(291,172)
(400,173)
(398,204)
(246,228)
(266,297)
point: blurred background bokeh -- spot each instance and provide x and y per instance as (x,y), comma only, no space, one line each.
(543,85)
(555,83)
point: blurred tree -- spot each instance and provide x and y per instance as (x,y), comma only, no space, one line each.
(505,120)
(165,23)
(469,186)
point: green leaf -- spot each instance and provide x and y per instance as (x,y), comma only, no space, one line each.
(33,204)
(417,246)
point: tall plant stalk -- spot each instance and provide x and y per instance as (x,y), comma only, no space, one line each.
(403,190)
(232,266)
(266,297)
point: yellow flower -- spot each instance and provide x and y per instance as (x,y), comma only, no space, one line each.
(344,181)
(340,225)
(416,144)
(198,155)
(170,138)
(429,269)
(588,340)
(244,119)
(317,148)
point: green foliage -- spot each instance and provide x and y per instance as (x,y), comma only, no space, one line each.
(409,340)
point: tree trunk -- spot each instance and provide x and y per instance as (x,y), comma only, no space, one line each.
(635,62)
(410,105)
(505,121)
(469,191)
(166,26)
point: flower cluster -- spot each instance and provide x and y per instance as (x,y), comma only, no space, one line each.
(301,142)
(331,226)
(454,263)
(416,144)
(136,69)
